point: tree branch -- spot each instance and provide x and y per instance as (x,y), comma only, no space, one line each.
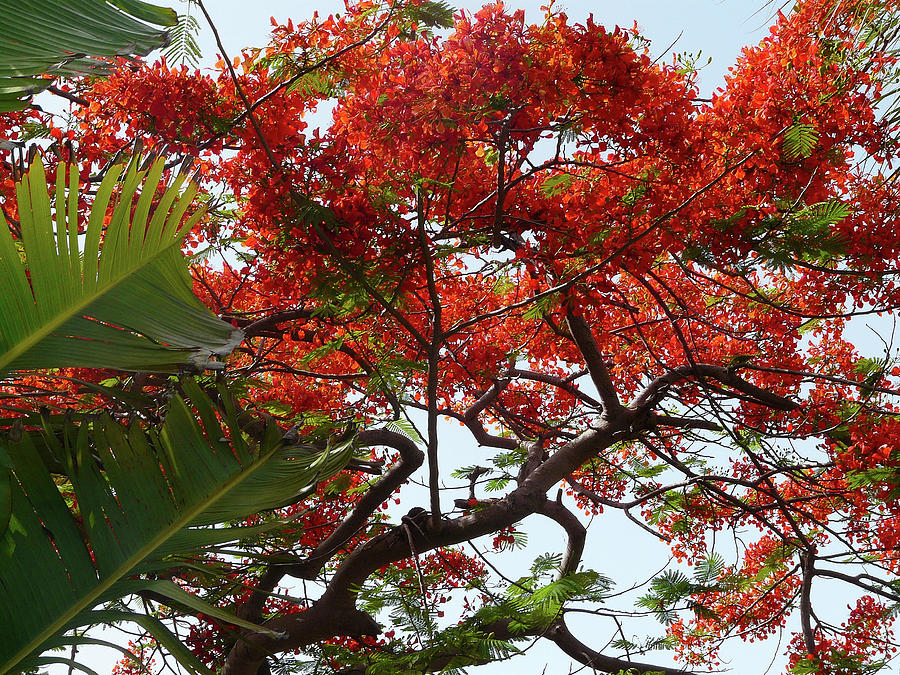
(337,603)
(411,458)
(69,96)
(470,418)
(597,369)
(576,534)
(808,570)
(576,649)
(651,395)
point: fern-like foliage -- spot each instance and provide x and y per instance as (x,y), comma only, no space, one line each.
(807,234)
(183,47)
(648,644)
(799,141)
(709,569)
(673,590)
(434,14)
(405,428)
(317,83)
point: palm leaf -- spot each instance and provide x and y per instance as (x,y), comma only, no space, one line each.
(74,304)
(66,37)
(141,495)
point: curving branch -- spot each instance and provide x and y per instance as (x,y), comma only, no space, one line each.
(253,327)
(576,534)
(411,458)
(335,611)
(559,634)
(653,392)
(470,418)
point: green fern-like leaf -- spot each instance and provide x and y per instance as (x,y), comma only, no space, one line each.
(434,14)
(799,140)
(183,47)
(309,84)
(556,184)
(546,563)
(824,214)
(709,569)
(405,428)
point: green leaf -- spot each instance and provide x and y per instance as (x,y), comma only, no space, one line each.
(405,428)
(635,194)
(799,140)
(822,215)
(73,303)
(162,16)
(183,47)
(557,184)
(435,14)
(709,569)
(66,37)
(313,83)
(548,562)
(542,307)
(140,494)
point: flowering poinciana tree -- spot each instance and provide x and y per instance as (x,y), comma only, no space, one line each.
(627,297)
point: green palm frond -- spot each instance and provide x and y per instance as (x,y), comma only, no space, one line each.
(73,302)
(141,494)
(66,37)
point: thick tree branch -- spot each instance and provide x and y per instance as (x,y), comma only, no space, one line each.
(338,600)
(806,374)
(808,570)
(587,345)
(410,459)
(253,327)
(651,395)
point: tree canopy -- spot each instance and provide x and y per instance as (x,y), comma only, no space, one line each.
(281,392)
